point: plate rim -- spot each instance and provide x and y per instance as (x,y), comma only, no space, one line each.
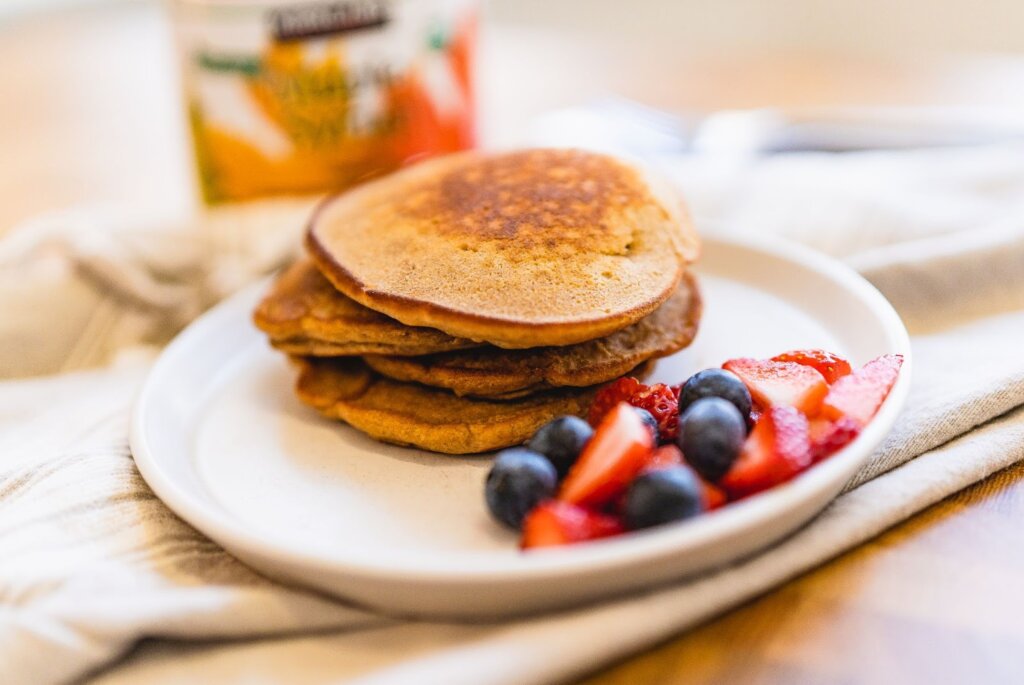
(544,563)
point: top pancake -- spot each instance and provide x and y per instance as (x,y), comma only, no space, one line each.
(522,249)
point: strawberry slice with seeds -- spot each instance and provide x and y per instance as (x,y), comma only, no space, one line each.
(619,449)
(663,457)
(619,390)
(859,395)
(831,436)
(831,366)
(781,384)
(777,449)
(555,523)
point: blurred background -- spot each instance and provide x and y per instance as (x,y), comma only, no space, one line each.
(93,112)
(868,27)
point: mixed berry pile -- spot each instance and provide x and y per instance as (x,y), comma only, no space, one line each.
(654,454)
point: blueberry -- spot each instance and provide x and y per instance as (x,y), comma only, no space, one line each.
(561,440)
(715,383)
(651,422)
(518,481)
(711,434)
(662,496)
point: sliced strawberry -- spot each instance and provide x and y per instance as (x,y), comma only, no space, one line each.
(830,436)
(560,523)
(619,390)
(829,365)
(777,449)
(663,457)
(755,414)
(714,496)
(620,447)
(859,395)
(781,384)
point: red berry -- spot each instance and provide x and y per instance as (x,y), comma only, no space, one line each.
(664,407)
(831,436)
(781,384)
(829,365)
(559,523)
(859,395)
(663,457)
(714,496)
(619,449)
(777,449)
(659,399)
(610,395)
(755,413)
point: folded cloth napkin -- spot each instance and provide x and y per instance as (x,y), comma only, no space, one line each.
(93,563)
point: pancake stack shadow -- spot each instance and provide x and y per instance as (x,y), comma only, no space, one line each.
(459,305)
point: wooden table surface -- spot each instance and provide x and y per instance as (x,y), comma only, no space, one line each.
(91,114)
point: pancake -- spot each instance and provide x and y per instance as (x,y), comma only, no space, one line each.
(308,347)
(523,249)
(491,372)
(432,419)
(304,314)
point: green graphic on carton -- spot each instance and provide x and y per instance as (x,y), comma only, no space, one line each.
(238,64)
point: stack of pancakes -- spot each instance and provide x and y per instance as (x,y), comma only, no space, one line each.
(462,303)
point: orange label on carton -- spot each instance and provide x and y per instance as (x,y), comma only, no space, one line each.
(291,97)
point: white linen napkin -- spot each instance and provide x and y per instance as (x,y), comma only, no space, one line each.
(93,563)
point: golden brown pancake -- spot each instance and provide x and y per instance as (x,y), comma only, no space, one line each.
(304,314)
(492,372)
(411,414)
(308,347)
(522,249)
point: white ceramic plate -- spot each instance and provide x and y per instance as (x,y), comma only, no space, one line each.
(219,437)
